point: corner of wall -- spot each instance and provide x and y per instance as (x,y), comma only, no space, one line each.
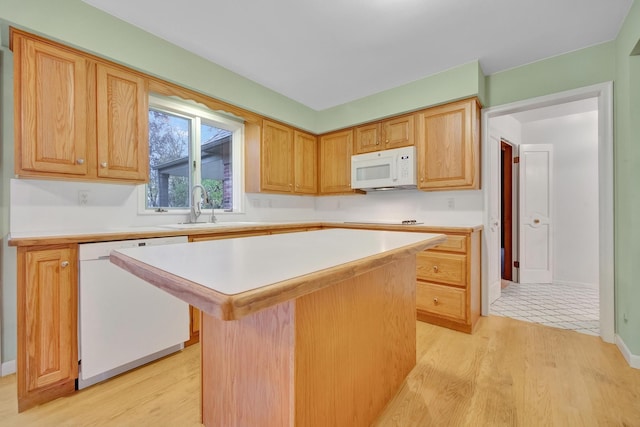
(8,368)
(632,359)
(482,86)
(453,84)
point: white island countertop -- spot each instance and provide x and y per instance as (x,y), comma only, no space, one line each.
(232,278)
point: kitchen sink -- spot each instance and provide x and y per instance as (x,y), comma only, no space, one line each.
(194,225)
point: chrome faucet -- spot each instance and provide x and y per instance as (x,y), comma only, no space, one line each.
(195,207)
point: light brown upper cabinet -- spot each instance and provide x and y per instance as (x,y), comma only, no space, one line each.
(50,92)
(77,117)
(276,157)
(392,133)
(305,165)
(288,160)
(448,146)
(335,162)
(122,124)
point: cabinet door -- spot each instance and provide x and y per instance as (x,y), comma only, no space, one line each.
(399,132)
(276,157)
(47,324)
(50,109)
(305,163)
(335,162)
(447,147)
(367,138)
(122,124)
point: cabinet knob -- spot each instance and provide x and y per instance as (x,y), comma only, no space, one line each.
(435,268)
(435,301)
(377,142)
(103,164)
(387,141)
(536,221)
(80,161)
(64,264)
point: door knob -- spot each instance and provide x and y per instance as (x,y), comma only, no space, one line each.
(64,264)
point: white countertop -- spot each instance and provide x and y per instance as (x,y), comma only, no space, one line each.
(101,233)
(234,266)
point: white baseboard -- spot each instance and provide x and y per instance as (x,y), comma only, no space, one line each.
(584,285)
(494,291)
(8,368)
(632,359)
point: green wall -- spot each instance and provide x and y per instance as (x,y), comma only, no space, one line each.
(627,182)
(573,70)
(7,254)
(77,24)
(457,83)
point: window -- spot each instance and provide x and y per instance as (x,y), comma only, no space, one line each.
(191,145)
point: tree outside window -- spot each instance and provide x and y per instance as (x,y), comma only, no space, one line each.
(186,148)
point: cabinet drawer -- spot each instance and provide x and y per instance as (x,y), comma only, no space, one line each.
(453,244)
(441,300)
(442,268)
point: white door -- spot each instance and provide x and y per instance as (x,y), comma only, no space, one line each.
(493,235)
(535,213)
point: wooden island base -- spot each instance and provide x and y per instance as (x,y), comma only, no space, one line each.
(333,357)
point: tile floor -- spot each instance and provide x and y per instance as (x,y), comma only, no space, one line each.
(559,306)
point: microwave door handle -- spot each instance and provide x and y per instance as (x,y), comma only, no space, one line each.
(394,168)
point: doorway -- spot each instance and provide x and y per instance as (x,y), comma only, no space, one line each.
(506,208)
(604,184)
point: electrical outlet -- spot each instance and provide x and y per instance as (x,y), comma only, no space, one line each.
(83,197)
(451,203)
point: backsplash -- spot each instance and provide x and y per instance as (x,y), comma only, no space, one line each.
(43,205)
(437,208)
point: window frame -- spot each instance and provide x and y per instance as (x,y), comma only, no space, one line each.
(196,113)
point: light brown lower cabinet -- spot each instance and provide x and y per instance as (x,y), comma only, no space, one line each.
(47,363)
(448,281)
(194,326)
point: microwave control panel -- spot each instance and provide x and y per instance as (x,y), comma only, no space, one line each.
(404,167)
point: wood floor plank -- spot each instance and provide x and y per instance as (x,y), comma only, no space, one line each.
(508,373)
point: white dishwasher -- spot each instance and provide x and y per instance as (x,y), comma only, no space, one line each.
(124,322)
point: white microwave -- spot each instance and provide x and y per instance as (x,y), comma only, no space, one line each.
(384,170)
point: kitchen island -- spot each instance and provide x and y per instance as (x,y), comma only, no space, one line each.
(306,329)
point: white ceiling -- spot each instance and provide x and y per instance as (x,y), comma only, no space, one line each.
(324,53)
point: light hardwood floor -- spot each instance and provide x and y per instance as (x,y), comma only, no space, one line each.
(509,373)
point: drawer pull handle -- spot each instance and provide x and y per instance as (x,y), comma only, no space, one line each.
(435,268)
(435,301)
(64,264)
